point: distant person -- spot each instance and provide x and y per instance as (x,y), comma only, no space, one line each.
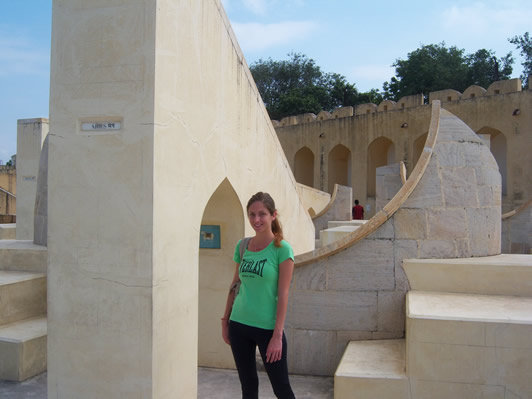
(357,211)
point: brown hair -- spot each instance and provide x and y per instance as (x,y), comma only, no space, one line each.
(269,203)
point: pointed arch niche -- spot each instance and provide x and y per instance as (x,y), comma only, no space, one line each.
(216,270)
(304,166)
(339,167)
(498,148)
(381,152)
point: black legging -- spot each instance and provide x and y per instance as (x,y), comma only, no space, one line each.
(244,340)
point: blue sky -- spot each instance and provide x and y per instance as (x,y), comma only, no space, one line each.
(358,39)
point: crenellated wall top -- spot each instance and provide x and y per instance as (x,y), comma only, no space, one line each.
(471,93)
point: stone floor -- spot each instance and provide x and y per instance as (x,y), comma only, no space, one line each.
(213,383)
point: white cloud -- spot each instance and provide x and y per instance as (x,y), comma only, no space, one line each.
(488,18)
(258,36)
(262,7)
(379,73)
(256,6)
(19,57)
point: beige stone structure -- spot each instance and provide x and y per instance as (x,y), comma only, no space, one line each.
(8,190)
(157,129)
(159,133)
(354,289)
(354,143)
(31,134)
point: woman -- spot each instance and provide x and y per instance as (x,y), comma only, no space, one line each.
(258,313)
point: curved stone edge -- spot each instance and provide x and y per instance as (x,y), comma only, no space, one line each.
(329,205)
(382,216)
(516,211)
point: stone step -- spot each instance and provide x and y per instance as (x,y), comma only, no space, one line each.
(23,349)
(22,255)
(372,369)
(8,231)
(22,296)
(339,223)
(331,235)
(489,275)
(468,346)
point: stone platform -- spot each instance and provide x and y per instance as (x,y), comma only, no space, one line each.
(212,383)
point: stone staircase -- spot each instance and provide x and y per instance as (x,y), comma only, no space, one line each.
(468,335)
(23,326)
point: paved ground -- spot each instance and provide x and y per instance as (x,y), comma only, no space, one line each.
(213,384)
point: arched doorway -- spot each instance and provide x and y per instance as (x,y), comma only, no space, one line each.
(304,167)
(339,167)
(223,213)
(498,148)
(381,152)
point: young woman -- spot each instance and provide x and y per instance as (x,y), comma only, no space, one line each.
(257,316)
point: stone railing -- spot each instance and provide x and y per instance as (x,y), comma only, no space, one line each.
(472,93)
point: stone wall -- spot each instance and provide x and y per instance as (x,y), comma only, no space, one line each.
(501,112)
(358,293)
(517,230)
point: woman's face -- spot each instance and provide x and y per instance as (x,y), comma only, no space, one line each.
(260,217)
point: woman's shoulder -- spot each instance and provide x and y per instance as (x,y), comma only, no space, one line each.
(285,243)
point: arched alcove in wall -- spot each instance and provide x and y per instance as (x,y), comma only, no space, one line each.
(418,150)
(223,223)
(304,166)
(498,148)
(381,152)
(339,167)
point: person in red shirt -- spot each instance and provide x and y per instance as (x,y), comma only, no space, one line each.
(357,211)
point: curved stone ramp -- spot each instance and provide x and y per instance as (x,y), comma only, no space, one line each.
(313,200)
(355,289)
(338,208)
(382,216)
(517,230)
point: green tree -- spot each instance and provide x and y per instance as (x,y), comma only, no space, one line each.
(436,67)
(524,45)
(297,86)
(485,68)
(429,68)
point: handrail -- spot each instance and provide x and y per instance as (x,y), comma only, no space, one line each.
(508,215)
(391,207)
(7,192)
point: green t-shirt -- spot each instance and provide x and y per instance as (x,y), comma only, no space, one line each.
(256,302)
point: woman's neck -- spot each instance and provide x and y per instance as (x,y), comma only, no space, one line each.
(262,240)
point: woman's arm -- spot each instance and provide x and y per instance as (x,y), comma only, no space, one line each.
(228,307)
(275,347)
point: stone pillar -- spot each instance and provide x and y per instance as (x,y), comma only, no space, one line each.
(118,325)
(30,138)
(388,183)
(152,107)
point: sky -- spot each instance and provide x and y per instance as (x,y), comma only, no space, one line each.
(358,39)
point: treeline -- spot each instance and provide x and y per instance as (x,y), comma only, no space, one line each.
(297,85)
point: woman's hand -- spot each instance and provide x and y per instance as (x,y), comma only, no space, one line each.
(274,352)
(225,331)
